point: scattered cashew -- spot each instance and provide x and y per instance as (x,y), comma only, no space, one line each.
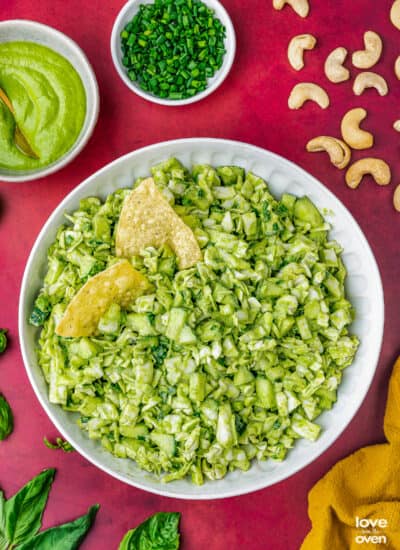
(296,49)
(370,80)
(396,125)
(339,153)
(396,198)
(377,168)
(334,70)
(301,7)
(397,67)
(367,58)
(308,91)
(352,134)
(395,14)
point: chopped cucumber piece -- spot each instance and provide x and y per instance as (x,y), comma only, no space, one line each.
(305,211)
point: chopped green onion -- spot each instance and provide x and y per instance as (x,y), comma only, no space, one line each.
(169,43)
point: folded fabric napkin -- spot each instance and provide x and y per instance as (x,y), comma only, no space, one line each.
(357,503)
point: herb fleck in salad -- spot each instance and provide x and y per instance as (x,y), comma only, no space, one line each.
(229,360)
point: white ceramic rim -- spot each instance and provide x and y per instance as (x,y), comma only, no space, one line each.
(219,77)
(237,490)
(91,124)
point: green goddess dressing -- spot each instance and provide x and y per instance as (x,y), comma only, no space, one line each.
(49,102)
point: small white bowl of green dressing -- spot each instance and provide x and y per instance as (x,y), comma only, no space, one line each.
(53,100)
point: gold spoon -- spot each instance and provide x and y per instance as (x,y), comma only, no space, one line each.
(19,139)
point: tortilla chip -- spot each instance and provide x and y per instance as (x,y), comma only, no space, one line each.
(119,283)
(147,219)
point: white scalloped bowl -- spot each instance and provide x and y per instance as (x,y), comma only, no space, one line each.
(364,289)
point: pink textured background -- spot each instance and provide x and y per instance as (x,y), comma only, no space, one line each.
(250,106)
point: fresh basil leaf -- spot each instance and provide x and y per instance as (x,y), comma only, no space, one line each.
(23,511)
(6,419)
(158,532)
(63,537)
(3,339)
(3,539)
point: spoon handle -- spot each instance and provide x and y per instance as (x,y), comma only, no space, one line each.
(19,139)
(22,143)
(6,101)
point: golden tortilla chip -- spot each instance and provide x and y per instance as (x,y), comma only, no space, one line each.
(147,219)
(120,283)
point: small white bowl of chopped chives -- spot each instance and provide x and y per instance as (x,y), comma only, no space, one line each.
(173,52)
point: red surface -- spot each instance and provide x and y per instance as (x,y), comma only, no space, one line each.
(250,106)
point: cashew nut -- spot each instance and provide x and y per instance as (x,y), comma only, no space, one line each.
(396,198)
(296,49)
(339,153)
(396,125)
(395,14)
(352,134)
(308,91)
(397,67)
(370,80)
(367,58)
(301,7)
(377,168)
(334,70)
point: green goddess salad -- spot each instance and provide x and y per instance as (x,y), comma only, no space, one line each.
(217,338)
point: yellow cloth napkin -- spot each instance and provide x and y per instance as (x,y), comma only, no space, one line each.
(356,505)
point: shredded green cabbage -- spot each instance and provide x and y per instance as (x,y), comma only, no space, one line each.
(230,360)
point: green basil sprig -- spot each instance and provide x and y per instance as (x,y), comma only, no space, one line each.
(158,532)
(3,339)
(22,513)
(68,536)
(6,418)
(21,518)
(59,443)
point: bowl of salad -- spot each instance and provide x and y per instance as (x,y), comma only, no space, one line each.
(201,318)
